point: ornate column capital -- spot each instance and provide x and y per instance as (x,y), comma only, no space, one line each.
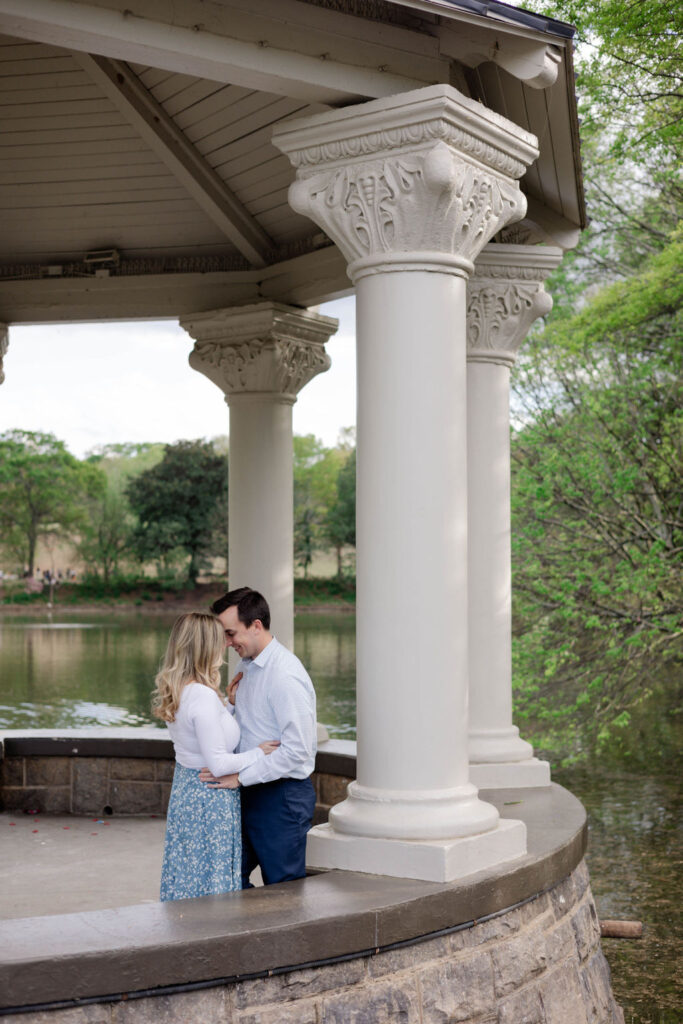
(4,345)
(420,180)
(266,349)
(504,297)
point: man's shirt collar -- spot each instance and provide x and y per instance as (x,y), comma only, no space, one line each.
(266,654)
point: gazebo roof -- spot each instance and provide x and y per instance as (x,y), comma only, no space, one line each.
(137,176)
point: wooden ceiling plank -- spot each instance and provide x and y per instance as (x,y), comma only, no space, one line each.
(151,78)
(112,162)
(65,136)
(160,132)
(71,179)
(32,97)
(222,99)
(513,96)
(18,49)
(283,214)
(42,65)
(80,193)
(278,166)
(22,82)
(538,113)
(78,151)
(558,111)
(193,94)
(62,122)
(241,156)
(172,86)
(54,105)
(257,109)
(268,186)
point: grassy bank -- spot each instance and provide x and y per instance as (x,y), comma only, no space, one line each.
(155,595)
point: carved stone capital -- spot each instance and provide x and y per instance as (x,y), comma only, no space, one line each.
(4,345)
(428,174)
(266,349)
(504,297)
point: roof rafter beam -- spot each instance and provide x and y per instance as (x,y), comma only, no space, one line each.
(150,120)
(143,36)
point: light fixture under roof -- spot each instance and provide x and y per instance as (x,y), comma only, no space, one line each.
(103,257)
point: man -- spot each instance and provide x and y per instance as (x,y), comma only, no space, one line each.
(274,700)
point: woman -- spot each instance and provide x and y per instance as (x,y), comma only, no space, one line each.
(203,846)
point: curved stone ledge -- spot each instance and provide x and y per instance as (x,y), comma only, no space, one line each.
(505,944)
(221,941)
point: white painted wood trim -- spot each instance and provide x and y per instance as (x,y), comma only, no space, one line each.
(149,118)
(122,35)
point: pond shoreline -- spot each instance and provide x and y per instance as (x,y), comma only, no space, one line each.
(154,608)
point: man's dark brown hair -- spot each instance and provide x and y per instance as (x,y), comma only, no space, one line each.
(249,603)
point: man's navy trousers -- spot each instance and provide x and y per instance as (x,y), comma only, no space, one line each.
(275,819)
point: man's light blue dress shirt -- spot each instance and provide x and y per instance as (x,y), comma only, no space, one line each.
(276,701)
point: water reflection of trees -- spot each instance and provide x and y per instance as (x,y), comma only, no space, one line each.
(327,647)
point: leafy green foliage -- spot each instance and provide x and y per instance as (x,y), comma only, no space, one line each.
(43,492)
(107,534)
(597,507)
(629,66)
(315,480)
(176,500)
(339,527)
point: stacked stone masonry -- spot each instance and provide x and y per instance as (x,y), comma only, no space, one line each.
(112,785)
(540,963)
(86,785)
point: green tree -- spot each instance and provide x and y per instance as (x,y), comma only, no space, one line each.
(44,492)
(107,537)
(628,62)
(175,502)
(315,471)
(598,509)
(340,519)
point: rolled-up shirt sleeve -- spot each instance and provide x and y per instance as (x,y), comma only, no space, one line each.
(205,716)
(295,716)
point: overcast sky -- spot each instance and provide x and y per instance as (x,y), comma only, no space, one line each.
(92,384)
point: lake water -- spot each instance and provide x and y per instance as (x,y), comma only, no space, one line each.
(99,670)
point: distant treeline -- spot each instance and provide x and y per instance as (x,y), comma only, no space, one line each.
(125,506)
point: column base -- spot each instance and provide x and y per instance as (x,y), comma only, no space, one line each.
(487,746)
(433,860)
(511,775)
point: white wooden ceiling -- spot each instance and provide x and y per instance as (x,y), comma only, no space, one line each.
(76,176)
(174,169)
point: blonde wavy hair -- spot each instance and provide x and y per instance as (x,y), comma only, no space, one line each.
(194,655)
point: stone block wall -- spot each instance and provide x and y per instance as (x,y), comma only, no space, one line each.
(112,785)
(540,963)
(86,785)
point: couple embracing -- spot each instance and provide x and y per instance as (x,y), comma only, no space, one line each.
(242,794)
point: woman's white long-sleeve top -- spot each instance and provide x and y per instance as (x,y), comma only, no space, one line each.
(205,734)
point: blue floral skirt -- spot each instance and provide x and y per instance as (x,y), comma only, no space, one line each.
(203,846)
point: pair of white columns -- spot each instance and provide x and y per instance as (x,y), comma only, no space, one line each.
(411,189)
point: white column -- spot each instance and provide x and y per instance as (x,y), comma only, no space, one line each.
(4,346)
(505,296)
(411,188)
(261,356)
